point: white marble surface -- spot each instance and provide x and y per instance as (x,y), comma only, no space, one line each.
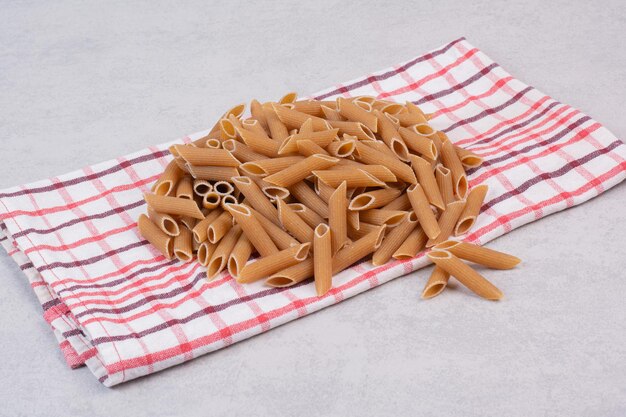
(82,82)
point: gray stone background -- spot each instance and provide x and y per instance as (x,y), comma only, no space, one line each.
(83,82)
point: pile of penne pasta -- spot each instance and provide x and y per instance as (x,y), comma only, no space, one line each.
(313,187)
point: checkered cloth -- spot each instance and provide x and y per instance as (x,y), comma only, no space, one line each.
(119,307)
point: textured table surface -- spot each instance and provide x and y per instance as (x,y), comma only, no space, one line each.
(82,83)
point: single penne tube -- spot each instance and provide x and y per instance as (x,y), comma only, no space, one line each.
(200,229)
(305,194)
(465,274)
(213,144)
(374,199)
(292,275)
(424,129)
(252,228)
(322,259)
(236,111)
(293,119)
(353,220)
(241,151)
(183,246)
(227,129)
(278,131)
(187,221)
(322,138)
(451,161)
(308,148)
(207,156)
(173,205)
(362,104)
(205,252)
(447,221)
(436,283)
(184,188)
(309,216)
(380,147)
(418,143)
(390,135)
(312,107)
(211,200)
(162,242)
(379,171)
(294,223)
(219,259)
(414,109)
(255,198)
(260,143)
(256,110)
(391,108)
(358,250)
(468,158)
(353,112)
(379,217)
(424,172)
(341,148)
(371,156)
(331,114)
(165,222)
(357,129)
(228,199)
(254,126)
(182,165)
(473,203)
(401,203)
(352,177)
(219,227)
(288,98)
(479,254)
(235,121)
(444,182)
(166,184)
(337,212)
(412,245)
(394,239)
(300,170)
(268,265)
(240,255)
(437,141)
(410,119)
(212,173)
(422,209)
(363,229)
(265,167)
(223,188)
(281,239)
(201,187)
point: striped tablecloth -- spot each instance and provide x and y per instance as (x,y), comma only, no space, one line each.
(125,311)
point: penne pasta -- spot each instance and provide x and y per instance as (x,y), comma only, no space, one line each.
(292,275)
(166,184)
(424,129)
(468,158)
(323,259)
(401,203)
(278,131)
(414,109)
(363,229)
(308,148)
(358,250)
(184,188)
(239,256)
(412,245)
(379,171)
(444,182)
(188,221)
(312,107)
(300,170)
(200,229)
(183,246)
(309,216)
(222,252)
(265,167)
(294,223)
(380,147)
(228,199)
(353,220)
(227,129)
(241,151)
(424,172)
(252,228)
(465,274)
(162,242)
(379,217)
(165,222)
(421,208)
(268,265)
(410,119)
(331,114)
(260,142)
(371,156)
(436,283)
(341,148)
(213,143)
(452,162)
(391,136)
(219,227)
(223,188)
(288,98)
(447,221)
(474,201)
(201,187)
(211,200)
(281,239)
(257,112)
(394,239)
(173,205)
(357,129)
(374,199)
(212,173)
(304,194)
(352,178)
(206,156)
(479,254)
(205,252)
(419,143)
(322,138)
(353,112)
(293,119)
(337,213)
(255,198)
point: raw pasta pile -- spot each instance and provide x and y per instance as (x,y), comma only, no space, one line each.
(313,187)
